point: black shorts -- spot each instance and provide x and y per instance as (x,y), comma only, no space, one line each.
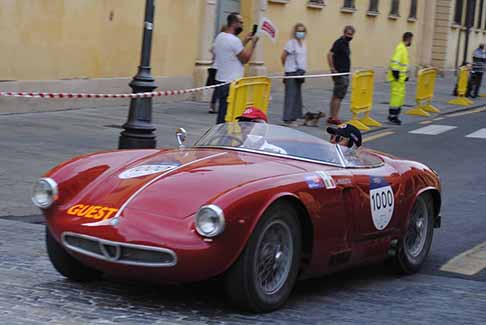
(341,84)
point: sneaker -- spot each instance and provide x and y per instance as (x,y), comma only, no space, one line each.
(394,120)
(336,121)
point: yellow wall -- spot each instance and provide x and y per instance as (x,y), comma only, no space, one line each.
(372,46)
(56,39)
(62,39)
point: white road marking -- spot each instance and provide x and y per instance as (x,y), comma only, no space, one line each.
(469,263)
(480,134)
(433,129)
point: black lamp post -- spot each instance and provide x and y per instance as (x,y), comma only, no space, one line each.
(139,130)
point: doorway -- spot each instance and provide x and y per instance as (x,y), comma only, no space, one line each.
(223,9)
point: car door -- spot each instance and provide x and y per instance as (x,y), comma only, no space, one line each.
(333,226)
(375,202)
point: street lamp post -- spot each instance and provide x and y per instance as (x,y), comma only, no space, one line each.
(139,130)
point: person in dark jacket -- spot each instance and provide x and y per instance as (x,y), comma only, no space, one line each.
(339,60)
(478,66)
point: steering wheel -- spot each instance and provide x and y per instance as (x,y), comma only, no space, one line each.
(226,139)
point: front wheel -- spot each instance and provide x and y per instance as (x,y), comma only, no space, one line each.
(264,275)
(414,247)
(66,264)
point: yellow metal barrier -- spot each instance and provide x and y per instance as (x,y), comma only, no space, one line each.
(244,92)
(462,81)
(362,99)
(424,93)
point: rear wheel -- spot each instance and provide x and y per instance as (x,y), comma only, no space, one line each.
(264,275)
(414,247)
(68,265)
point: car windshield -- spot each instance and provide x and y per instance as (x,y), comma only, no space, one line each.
(272,139)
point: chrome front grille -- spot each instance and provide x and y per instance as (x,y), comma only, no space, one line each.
(117,252)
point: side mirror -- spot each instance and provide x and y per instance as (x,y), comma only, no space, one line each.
(181,136)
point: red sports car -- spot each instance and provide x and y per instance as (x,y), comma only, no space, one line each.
(255,204)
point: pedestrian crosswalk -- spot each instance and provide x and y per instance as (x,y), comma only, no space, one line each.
(433,129)
(436,129)
(480,134)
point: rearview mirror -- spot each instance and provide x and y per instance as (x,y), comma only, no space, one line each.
(181,136)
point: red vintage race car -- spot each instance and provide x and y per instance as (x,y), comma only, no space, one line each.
(255,204)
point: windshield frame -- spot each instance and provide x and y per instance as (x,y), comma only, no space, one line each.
(343,162)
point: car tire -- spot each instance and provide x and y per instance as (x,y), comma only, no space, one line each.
(411,253)
(67,265)
(274,246)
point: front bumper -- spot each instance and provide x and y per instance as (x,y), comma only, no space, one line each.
(118,252)
(147,247)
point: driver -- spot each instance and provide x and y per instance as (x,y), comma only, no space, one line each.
(253,141)
(345,135)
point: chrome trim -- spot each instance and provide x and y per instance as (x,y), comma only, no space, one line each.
(181,136)
(341,155)
(118,247)
(220,214)
(272,154)
(348,165)
(55,191)
(107,254)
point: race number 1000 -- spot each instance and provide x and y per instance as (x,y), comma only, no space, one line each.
(382,204)
(382,199)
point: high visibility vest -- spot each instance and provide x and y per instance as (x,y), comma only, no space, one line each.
(399,61)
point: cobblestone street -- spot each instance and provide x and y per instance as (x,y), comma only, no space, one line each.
(33,292)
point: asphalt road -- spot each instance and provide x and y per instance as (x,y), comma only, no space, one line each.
(33,292)
(461,163)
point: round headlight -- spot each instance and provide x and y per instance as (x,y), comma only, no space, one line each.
(44,192)
(210,221)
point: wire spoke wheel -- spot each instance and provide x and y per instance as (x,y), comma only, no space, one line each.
(264,275)
(417,230)
(417,240)
(274,257)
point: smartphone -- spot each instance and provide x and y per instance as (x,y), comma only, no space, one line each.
(254,30)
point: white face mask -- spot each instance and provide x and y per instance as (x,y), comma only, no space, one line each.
(300,35)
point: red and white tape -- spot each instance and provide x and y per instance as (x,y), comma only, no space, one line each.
(140,95)
(105,96)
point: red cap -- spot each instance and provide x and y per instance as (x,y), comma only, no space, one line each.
(253,113)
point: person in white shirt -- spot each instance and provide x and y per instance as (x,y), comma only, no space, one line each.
(294,60)
(230,56)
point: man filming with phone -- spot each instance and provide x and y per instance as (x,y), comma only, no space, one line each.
(230,56)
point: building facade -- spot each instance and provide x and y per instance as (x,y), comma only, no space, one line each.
(94,45)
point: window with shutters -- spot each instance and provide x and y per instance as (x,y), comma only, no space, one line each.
(479,24)
(458,12)
(349,4)
(395,8)
(317,2)
(413,10)
(373,6)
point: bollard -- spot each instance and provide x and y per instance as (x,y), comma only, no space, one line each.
(362,100)
(424,93)
(462,81)
(249,91)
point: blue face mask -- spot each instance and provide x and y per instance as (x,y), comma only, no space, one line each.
(300,35)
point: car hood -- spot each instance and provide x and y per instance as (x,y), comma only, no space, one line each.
(176,183)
